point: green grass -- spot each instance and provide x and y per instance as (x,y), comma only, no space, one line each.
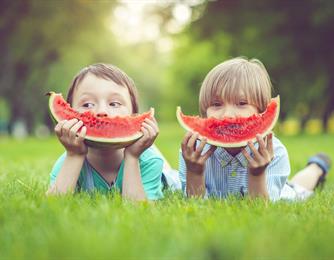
(82,226)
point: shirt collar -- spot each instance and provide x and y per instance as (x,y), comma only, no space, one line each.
(225,158)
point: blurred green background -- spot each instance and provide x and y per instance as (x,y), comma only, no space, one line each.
(167,47)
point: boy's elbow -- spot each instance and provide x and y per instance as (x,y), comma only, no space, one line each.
(54,190)
(50,190)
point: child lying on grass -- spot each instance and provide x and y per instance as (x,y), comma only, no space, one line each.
(135,170)
(241,88)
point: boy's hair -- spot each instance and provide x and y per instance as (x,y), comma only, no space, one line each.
(234,75)
(108,72)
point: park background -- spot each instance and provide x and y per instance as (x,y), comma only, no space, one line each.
(167,47)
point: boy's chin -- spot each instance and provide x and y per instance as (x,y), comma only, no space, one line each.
(107,146)
(234,150)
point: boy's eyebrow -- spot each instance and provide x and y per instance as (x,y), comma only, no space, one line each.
(116,94)
(92,94)
(86,93)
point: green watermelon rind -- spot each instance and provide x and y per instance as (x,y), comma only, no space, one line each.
(117,142)
(233,144)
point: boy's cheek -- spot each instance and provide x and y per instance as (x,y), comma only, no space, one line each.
(122,111)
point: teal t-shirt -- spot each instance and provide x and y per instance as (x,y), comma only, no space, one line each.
(150,164)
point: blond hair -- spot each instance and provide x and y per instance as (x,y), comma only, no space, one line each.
(233,76)
(108,72)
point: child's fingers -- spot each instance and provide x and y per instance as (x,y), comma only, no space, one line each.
(59,127)
(153,124)
(260,140)
(74,129)
(153,119)
(248,157)
(185,141)
(256,153)
(199,149)
(82,134)
(67,126)
(265,139)
(262,146)
(146,134)
(192,142)
(151,130)
(209,152)
(270,144)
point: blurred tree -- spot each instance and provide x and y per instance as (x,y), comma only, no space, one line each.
(34,35)
(293,39)
(44,43)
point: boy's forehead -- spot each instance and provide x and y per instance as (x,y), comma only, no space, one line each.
(92,84)
(228,93)
(91,81)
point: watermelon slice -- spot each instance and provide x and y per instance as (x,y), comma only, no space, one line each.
(116,132)
(232,132)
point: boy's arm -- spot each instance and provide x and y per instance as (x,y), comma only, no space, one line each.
(72,139)
(195,164)
(275,176)
(257,183)
(195,186)
(257,186)
(132,186)
(68,175)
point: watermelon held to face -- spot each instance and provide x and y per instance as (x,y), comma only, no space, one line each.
(115,132)
(232,132)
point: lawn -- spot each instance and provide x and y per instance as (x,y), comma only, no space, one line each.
(82,226)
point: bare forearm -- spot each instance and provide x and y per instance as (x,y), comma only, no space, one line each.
(67,178)
(132,187)
(195,184)
(257,186)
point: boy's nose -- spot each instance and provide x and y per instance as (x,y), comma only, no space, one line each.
(101,114)
(228,112)
(101,111)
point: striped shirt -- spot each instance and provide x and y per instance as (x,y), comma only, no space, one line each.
(227,175)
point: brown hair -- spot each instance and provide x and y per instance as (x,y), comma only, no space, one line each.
(228,78)
(108,72)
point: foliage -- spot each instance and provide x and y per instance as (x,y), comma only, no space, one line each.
(33,36)
(293,40)
(43,44)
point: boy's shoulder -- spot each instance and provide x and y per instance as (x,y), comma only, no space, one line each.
(279,148)
(61,159)
(150,153)
(277,144)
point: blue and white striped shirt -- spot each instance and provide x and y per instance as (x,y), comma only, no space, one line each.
(227,175)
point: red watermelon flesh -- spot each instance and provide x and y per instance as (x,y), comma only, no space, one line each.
(101,131)
(232,132)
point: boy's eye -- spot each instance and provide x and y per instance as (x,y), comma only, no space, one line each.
(115,104)
(88,105)
(242,102)
(217,104)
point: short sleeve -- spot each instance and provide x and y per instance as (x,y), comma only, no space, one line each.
(182,171)
(151,172)
(56,168)
(278,170)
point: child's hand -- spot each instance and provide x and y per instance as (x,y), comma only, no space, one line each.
(261,157)
(193,157)
(71,139)
(150,130)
